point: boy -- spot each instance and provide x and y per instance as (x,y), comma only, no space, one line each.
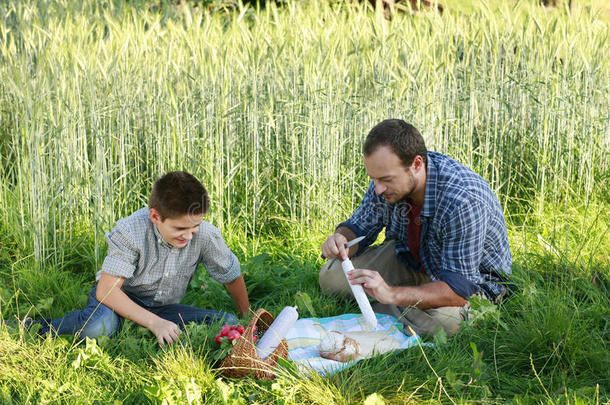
(151,258)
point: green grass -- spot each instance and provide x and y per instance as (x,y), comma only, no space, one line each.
(556,327)
(269,107)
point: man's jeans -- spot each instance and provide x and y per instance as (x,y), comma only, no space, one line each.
(97,319)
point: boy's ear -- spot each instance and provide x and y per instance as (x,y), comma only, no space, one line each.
(155,216)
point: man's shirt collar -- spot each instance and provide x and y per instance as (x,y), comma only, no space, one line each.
(430,194)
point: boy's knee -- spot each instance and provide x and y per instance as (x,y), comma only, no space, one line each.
(104,325)
(211,316)
(228,318)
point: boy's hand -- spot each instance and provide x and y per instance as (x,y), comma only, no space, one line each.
(165,331)
(110,294)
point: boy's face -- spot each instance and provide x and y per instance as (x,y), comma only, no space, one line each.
(176,231)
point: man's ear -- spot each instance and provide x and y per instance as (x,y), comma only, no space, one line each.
(418,163)
(155,216)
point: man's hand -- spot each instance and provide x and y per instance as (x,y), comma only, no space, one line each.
(373,284)
(165,331)
(334,247)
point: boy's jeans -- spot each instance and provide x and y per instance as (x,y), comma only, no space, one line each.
(97,319)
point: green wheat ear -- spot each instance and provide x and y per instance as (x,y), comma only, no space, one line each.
(268,107)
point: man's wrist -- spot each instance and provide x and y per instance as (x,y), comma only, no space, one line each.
(345,231)
(393,295)
(151,321)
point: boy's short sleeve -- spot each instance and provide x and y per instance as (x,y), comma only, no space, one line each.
(122,255)
(217,258)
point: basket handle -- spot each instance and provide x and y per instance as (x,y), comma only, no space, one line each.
(247,338)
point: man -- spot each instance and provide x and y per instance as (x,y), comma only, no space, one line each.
(446,238)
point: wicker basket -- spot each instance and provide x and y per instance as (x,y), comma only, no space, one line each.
(243,359)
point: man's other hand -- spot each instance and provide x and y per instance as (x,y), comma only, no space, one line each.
(373,284)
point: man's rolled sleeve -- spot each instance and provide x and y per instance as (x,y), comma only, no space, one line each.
(122,256)
(458,283)
(464,237)
(368,219)
(218,259)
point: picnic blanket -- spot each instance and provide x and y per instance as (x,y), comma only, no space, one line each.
(306,334)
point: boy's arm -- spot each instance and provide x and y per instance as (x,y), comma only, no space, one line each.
(110,294)
(223,265)
(237,289)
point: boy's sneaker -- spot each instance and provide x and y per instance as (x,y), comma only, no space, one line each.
(26,323)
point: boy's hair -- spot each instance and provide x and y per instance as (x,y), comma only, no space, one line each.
(403,138)
(176,194)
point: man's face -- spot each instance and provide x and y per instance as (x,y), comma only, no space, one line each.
(392,180)
(177,231)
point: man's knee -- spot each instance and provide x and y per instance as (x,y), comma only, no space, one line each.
(428,322)
(332,278)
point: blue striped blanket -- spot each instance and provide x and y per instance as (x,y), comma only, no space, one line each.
(305,336)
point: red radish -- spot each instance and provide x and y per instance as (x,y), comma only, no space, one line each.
(225,330)
(217,340)
(254,339)
(240,329)
(233,335)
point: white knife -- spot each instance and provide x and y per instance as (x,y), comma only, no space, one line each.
(353,242)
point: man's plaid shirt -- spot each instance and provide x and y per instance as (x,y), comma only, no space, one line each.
(463,241)
(157,272)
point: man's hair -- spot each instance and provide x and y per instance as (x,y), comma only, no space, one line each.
(176,194)
(403,138)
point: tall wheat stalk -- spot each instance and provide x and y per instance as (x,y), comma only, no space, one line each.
(269,108)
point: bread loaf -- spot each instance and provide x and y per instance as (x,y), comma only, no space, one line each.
(336,346)
(356,345)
